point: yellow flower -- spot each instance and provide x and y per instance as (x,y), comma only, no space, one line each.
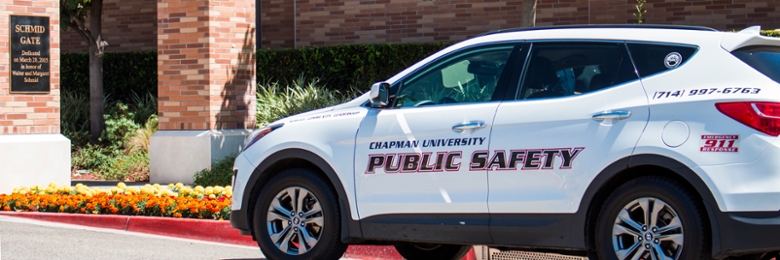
(211,196)
(218,189)
(209,190)
(199,189)
(121,185)
(52,185)
(170,186)
(179,185)
(156,186)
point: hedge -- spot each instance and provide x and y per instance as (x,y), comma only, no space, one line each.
(123,73)
(771,33)
(342,67)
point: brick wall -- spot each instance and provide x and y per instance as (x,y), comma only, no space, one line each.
(206,64)
(276,23)
(29,113)
(326,22)
(127,26)
(720,14)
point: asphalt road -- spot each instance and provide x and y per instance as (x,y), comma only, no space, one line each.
(29,239)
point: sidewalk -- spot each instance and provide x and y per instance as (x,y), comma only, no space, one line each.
(197,229)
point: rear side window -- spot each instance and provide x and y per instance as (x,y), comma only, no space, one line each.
(765,59)
(573,68)
(651,58)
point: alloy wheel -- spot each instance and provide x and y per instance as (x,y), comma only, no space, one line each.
(647,228)
(295,220)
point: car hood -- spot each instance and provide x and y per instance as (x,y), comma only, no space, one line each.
(359,101)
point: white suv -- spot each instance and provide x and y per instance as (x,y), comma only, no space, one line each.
(615,142)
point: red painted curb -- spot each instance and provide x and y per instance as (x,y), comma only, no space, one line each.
(196,229)
(100,221)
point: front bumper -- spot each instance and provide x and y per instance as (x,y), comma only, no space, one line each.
(740,233)
(238,220)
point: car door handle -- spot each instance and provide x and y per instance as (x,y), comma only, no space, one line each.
(620,114)
(468,126)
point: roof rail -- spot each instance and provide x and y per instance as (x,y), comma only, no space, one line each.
(605,26)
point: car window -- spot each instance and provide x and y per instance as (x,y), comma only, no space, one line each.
(762,58)
(653,58)
(573,68)
(466,77)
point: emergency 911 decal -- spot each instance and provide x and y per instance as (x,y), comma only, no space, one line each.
(481,160)
(719,143)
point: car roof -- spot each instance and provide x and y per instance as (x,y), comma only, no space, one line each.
(604,26)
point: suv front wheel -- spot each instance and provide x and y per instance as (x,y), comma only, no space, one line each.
(297,217)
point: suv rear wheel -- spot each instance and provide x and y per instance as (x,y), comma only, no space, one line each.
(651,218)
(297,217)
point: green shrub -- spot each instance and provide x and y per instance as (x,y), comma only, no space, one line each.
(123,73)
(74,111)
(74,117)
(140,141)
(771,33)
(342,67)
(119,127)
(143,106)
(93,157)
(132,167)
(107,159)
(220,173)
(275,101)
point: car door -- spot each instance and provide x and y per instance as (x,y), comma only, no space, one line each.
(411,158)
(579,107)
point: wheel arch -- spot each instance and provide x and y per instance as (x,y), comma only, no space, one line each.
(636,166)
(300,158)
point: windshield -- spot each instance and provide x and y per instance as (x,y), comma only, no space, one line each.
(765,59)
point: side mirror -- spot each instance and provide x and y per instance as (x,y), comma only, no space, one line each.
(379,94)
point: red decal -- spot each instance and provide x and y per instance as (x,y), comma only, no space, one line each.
(719,143)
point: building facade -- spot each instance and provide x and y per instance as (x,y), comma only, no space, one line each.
(132,25)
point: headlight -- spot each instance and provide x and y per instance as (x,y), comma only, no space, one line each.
(259,133)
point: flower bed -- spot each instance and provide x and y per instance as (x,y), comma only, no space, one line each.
(176,201)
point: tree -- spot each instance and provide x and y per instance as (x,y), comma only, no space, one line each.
(529,13)
(73,14)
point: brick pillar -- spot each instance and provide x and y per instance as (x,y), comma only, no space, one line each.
(30,123)
(206,84)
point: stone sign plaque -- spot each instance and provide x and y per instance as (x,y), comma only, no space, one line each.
(30,54)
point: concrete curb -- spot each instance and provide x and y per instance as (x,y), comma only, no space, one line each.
(196,229)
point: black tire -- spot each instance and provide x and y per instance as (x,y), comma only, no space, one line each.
(415,251)
(326,230)
(674,204)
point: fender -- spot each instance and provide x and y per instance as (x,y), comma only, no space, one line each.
(350,229)
(681,171)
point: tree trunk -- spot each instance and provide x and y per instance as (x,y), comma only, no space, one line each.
(529,13)
(96,123)
(96,47)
